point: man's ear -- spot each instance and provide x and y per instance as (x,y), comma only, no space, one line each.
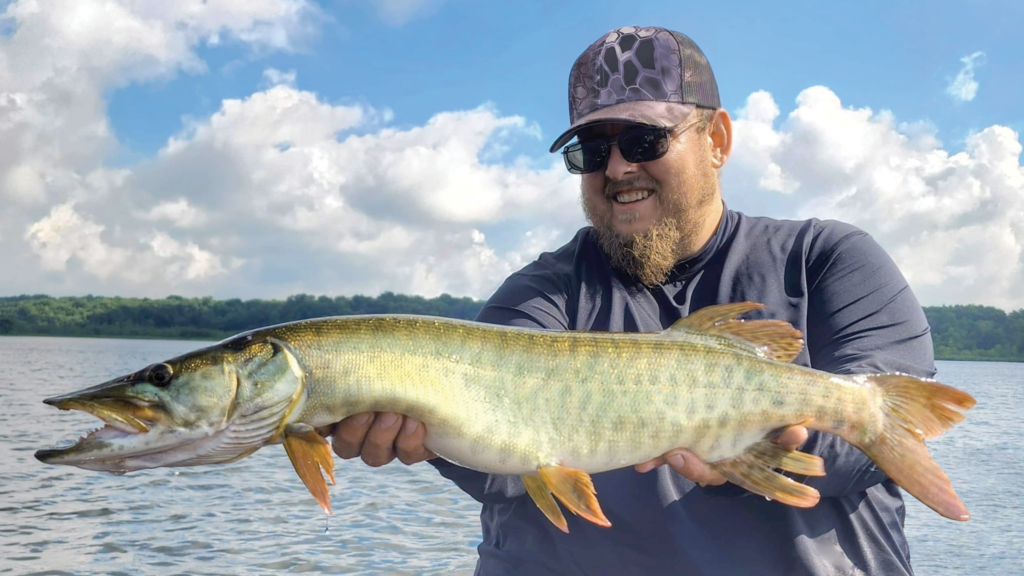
(720,135)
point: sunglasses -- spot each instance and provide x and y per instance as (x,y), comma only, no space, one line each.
(637,144)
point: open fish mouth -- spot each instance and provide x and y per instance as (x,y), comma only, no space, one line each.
(121,420)
(117,414)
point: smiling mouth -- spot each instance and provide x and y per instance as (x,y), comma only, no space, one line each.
(631,196)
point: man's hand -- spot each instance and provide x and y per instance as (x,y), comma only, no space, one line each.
(378,438)
(689,466)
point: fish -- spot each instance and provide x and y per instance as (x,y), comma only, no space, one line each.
(553,407)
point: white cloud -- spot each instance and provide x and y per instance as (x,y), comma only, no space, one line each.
(273,77)
(954,222)
(178,213)
(390,209)
(282,191)
(149,265)
(64,234)
(271,194)
(398,12)
(964,87)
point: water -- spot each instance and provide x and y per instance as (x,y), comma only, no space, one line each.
(250,517)
(255,517)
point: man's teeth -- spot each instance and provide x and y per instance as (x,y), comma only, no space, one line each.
(626,197)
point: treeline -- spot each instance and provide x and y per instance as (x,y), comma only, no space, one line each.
(976,333)
(201,318)
(958,332)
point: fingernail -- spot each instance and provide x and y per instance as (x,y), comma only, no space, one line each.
(360,419)
(410,426)
(676,461)
(387,420)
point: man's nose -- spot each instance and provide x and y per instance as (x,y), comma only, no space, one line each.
(618,167)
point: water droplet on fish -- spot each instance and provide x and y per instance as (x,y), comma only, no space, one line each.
(767,498)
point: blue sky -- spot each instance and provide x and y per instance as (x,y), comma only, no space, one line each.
(256,149)
(458,54)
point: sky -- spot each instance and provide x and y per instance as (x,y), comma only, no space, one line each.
(261,148)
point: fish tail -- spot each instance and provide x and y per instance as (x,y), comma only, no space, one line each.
(913,410)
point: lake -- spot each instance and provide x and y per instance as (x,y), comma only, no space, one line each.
(255,516)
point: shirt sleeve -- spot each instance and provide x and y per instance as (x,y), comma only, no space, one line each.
(529,301)
(862,318)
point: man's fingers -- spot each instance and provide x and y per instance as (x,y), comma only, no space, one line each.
(791,438)
(645,467)
(409,444)
(349,434)
(378,447)
(689,466)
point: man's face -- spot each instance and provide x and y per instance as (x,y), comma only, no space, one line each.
(649,215)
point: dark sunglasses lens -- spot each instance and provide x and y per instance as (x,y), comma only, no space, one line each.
(643,145)
(585,157)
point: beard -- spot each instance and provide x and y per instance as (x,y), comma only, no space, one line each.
(650,256)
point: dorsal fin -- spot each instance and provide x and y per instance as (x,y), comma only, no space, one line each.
(778,339)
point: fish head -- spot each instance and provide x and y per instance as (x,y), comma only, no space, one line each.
(212,405)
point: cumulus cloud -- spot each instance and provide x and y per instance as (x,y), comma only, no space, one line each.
(58,59)
(398,12)
(954,222)
(273,77)
(284,191)
(387,209)
(273,193)
(964,87)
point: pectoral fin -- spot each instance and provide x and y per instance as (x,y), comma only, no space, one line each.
(575,490)
(776,339)
(753,470)
(537,490)
(310,453)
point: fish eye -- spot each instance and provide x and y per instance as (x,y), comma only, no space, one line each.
(160,374)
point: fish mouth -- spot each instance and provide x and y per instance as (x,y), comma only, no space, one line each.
(121,418)
(116,413)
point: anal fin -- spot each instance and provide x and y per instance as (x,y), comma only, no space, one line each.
(575,490)
(310,453)
(793,461)
(754,471)
(541,496)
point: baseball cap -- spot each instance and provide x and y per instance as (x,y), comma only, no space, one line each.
(645,75)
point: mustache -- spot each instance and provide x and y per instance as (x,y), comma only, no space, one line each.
(613,187)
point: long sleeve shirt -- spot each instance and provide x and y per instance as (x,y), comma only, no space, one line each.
(830,280)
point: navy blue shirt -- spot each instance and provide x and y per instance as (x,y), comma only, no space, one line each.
(830,280)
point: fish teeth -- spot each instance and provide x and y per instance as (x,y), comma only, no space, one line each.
(632,196)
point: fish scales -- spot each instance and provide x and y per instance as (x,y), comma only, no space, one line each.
(509,391)
(551,406)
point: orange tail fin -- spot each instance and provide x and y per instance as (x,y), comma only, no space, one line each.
(916,409)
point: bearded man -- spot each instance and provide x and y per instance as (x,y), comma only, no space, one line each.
(651,140)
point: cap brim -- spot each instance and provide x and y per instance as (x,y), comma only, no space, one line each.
(639,112)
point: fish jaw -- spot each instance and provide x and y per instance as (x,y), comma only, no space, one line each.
(124,444)
(142,428)
(222,403)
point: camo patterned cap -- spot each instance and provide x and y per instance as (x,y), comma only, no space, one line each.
(638,75)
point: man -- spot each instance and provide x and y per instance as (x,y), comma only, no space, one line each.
(651,140)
